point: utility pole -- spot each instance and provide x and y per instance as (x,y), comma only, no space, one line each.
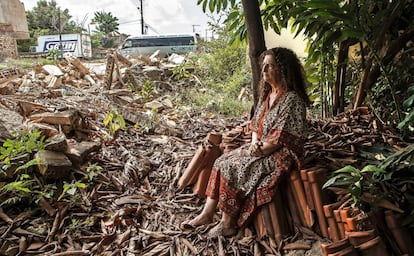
(142,19)
(194,27)
(60,38)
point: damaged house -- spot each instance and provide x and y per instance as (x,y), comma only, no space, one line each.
(13,25)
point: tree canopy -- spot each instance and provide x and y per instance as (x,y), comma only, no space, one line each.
(106,25)
(47,18)
(50,19)
(106,22)
(355,46)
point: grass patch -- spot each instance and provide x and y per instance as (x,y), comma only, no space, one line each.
(215,102)
(24,63)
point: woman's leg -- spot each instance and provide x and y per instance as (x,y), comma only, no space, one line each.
(206,215)
(227,227)
(228,221)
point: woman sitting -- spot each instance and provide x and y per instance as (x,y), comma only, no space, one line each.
(248,177)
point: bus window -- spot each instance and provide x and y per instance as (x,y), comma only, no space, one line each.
(166,44)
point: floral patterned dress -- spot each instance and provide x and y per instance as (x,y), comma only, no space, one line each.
(242,183)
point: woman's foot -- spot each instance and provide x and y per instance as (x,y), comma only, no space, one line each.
(222,229)
(200,220)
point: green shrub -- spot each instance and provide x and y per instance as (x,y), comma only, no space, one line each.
(216,102)
(223,70)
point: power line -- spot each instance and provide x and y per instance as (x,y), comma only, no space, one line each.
(144,24)
(129,21)
(152,28)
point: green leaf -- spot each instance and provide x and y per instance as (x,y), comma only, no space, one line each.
(347,169)
(327,4)
(358,185)
(331,38)
(80,184)
(329,182)
(108,118)
(224,3)
(35,161)
(372,168)
(351,33)
(212,5)
(409,102)
(409,119)
(344,183)
(71,191)
(233,15)
(218,5)
(205,2)
(24,190)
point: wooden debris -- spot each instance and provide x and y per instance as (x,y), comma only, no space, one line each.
(77,152)
(131,204)
(53,164)
(67,117)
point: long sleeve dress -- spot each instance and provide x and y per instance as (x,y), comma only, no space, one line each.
(242,183)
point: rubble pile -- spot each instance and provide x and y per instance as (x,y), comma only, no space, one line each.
(125,200)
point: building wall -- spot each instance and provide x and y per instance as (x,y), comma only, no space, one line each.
(13,25)
(12,12)
(8,46)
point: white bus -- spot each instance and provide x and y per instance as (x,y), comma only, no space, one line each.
(146,45)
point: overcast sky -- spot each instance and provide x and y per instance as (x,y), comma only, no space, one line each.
(163,16)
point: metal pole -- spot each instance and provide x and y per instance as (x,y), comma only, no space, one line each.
(60,38)
(194,27)
(142,19)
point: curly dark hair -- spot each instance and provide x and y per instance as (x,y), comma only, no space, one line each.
(290,73)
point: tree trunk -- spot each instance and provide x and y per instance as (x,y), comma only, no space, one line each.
(257,45)
(369,76)
(372,72)
(340,82)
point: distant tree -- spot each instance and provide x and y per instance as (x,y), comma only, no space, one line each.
(106,25)
(47,16)
(382,31)
(44,19)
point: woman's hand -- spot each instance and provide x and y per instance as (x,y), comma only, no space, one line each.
(260,148)
(255,149)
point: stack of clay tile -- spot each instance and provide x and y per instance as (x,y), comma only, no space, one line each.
(236,137)
(358,235)
(330,145)
(198,170)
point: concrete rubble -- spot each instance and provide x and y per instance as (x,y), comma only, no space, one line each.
(57,100)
